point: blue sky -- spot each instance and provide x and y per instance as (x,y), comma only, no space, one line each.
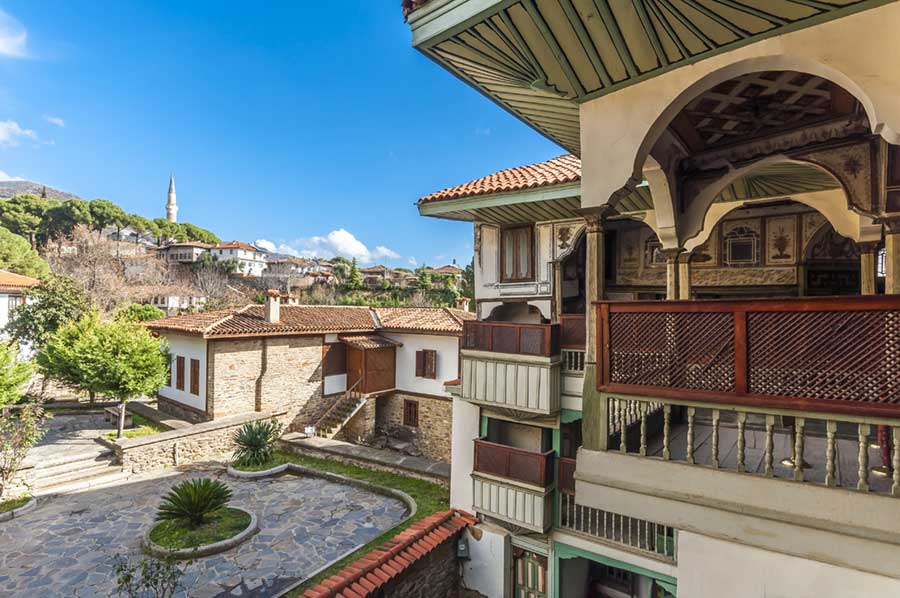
(312,125)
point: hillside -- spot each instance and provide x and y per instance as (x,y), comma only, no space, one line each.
(11,188)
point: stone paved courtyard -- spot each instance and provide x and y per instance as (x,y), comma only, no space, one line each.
(65,547)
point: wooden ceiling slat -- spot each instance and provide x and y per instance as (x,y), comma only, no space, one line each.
(612,26)
(586,42)
(517,36)
(661,56)
(551,41)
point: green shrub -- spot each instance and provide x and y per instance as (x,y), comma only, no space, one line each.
(255,442)
(194,501)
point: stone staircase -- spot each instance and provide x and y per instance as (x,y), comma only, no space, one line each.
(337,416)
(75,472)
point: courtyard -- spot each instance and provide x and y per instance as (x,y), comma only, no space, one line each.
(66,546)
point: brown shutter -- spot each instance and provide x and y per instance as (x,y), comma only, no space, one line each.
(195,377)
(179,372)
(410,413)
(334,359)
(420,364)
(430,364)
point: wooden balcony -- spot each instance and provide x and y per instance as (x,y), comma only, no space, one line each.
(513,485)
(506,337)
(828,355)
(572,331)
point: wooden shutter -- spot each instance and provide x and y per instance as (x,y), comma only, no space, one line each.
(517,254)
(195,377)
(420,364)
(179,372)
(410,413)
(430,364)
(334,359)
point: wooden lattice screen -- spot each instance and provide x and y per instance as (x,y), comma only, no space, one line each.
(838,354)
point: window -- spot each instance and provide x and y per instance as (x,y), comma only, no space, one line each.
(741,246)
(426,364)
(15,301)
(179,373)
(195,377)
(410,413)
(334,359)
(517,254)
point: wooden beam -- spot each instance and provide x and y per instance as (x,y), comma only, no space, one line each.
(584,37)
(555,49)
(650,30)
(612,27)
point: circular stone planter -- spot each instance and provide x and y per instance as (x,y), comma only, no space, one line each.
(32,503)
(156,550)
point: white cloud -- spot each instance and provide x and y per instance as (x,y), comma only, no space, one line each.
(6,177)
(13,36)
(55,120)
(338,242)
(11,133)
(412,261)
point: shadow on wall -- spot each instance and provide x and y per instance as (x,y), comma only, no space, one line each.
(520,313)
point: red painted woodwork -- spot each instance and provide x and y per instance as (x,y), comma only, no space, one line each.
(513,463)
(565,476)
(509,337)
(572,331)
(828,354)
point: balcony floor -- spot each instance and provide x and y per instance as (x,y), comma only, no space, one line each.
(846,452)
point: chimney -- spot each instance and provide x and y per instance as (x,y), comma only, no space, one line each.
(273,306)
(462,303)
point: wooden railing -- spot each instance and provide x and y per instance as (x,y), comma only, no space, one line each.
(829,354)
(572,331)
(573,361)
(524,466)
(565,475)
(508,337)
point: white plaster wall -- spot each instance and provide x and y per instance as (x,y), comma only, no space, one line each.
(189,347)
(466,424)
(487,571)
(710,568)
(335,384)
(4,311)
(447,348)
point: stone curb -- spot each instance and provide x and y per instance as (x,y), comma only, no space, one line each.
(205,550)
(332,477)
(32,503)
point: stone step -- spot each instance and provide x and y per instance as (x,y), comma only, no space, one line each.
(116,474)
(45,481)
(72,458)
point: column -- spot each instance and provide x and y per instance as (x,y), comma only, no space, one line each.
(892,257)
(594,420)
(673,292)
(867,255)
(684,276)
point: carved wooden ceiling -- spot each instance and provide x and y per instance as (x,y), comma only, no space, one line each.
(759,104)
(540,58)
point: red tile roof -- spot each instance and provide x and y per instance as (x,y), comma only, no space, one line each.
(423,319)
(237,245)
(16,282)
(560,170)
(366,575)
(368,341)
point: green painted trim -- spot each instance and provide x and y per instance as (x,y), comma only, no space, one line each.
(587,43)
(564,551)
(662,59)
(567,416)
(483,426)
(555,49)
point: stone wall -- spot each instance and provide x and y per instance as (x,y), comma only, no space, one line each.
(276,374)
(181,411)
(437,574)
(361,427)
(435,431)
(179,447)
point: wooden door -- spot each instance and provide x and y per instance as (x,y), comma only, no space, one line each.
(356,365)
(380,364)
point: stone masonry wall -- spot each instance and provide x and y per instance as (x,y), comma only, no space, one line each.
(277,374)
(180,447)
(437,574)
(361,427)
(176,409)
(435,430)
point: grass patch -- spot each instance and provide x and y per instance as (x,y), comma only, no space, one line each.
(142,427)
(177,534)
(429,498)
(13,503)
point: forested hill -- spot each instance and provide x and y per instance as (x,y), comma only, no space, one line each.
(12,188)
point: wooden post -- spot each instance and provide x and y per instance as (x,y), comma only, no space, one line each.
(672,272)
(595,434)
(892,257)
(867,253)
(684,276)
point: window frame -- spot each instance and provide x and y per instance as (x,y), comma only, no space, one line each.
(504,231)
(179,373)
(195,377)
(410,413)
(426,364)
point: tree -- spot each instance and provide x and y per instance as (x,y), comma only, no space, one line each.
(14,374)
(55,302)
(17,255)
(340,266)
(105,213)
(168,231)
(142,225)
(61,220)
(69,355)
(24,215)
(139,312)
(354,279)
(19,431)
(195,233)
(424,281)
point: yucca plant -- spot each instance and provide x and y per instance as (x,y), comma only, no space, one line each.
(255,442)
(194,501)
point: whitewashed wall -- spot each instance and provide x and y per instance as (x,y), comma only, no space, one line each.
(487,572)
(335,384)
(189,347)
(466,428)
(447,348)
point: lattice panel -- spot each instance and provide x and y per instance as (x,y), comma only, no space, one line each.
(504,339)
(532,341)
(674,350)
(849,355)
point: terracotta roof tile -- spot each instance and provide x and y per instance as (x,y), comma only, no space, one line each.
(11,280)
(368,341)
(560,170)
(237,245)
(393,557)
(423,319)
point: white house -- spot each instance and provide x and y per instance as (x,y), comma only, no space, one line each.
(13,288)
(251,260)
(183,253)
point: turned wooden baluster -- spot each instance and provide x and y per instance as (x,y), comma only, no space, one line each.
(667,418)
(770,446)
(622,426)
(798,449)
(895,463)
(715,438)
(741,442)
(830,430)
(690,434)
(642,408)
(863,484)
